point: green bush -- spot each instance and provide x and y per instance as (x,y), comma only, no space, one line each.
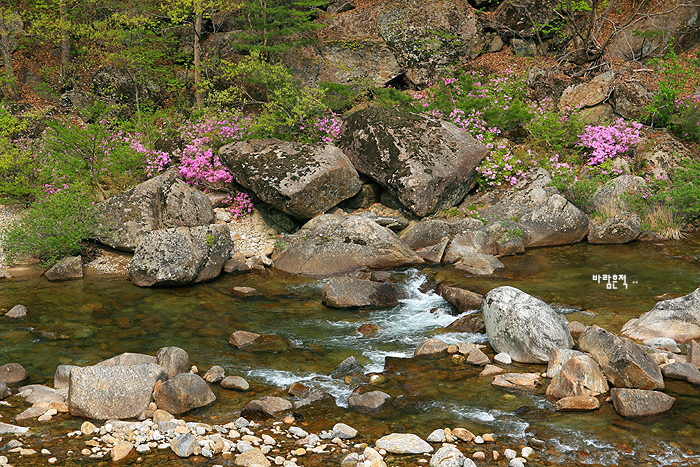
(663,106)
(556,131)
(52,228)
(684,194)
(16,172)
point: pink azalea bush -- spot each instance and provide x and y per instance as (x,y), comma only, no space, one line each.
(606,142)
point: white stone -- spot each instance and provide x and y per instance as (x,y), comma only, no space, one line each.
(510,454)
(516,463)
(527,451)
(503,358)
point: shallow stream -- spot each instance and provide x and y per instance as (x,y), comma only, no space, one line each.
(85,321)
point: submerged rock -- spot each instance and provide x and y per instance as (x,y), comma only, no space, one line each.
(625,364)
(12,373)
(335,244)
(348,292)
(639,402)
(17,311)
(267,407)
(253,342)
(678,319)
(517,381)
(4,391)
(523,326)
(577,404)
(372,401)
(348,367)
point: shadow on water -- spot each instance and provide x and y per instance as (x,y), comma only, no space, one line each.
(82,322)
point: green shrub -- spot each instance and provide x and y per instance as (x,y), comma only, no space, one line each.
(684,194)
(52,228)
(552,130)
(664,104)
(16,172)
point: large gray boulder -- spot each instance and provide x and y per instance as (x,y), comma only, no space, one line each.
(373,401)
(349,292)
(112,392)
(678,318)
(523,326)
(555,222)
(162,202)
(625,364)
(302,179)
(428,165)
(610,197)
(182,393)
(180,256)
(335,244)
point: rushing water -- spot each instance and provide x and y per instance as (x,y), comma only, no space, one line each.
(85,321)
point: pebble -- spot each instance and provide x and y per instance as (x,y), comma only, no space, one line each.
(503,358)
(510,454)
(479,440)
(516,463)
(527,451)
(52,460)
(479,455)
(489,437)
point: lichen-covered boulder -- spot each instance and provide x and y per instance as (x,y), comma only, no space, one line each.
(556,222)
(621,228)
(678,318)
(164,201)
(523,326)
(428,165)
(335,244)
(172,257)
(302,179)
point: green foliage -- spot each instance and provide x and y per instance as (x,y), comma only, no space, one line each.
(391,97)
(275,26)
(52,228)
(579,192)
(98,156)
(16,174)
(662,108)
(551,130)
(338,97)
(684,194)
(287,107)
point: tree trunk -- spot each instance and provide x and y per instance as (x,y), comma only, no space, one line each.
(6,46)
(65,40)
(198,96)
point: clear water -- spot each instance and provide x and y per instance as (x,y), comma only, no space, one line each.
(85,321)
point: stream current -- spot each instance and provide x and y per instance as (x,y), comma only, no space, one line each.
(83,322)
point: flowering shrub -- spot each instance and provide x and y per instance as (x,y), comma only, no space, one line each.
(241,205)
(551,129)
(609,141)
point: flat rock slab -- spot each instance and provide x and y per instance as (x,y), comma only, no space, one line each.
(403,443)
(7,429)
(462,299)
(349,292)
(577,404)
(640,402)
(517,381)
(112,392)
(330,245)
(302,179)
(430,347)
(579,376)
(678,319)
(253,342)
(683,371)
